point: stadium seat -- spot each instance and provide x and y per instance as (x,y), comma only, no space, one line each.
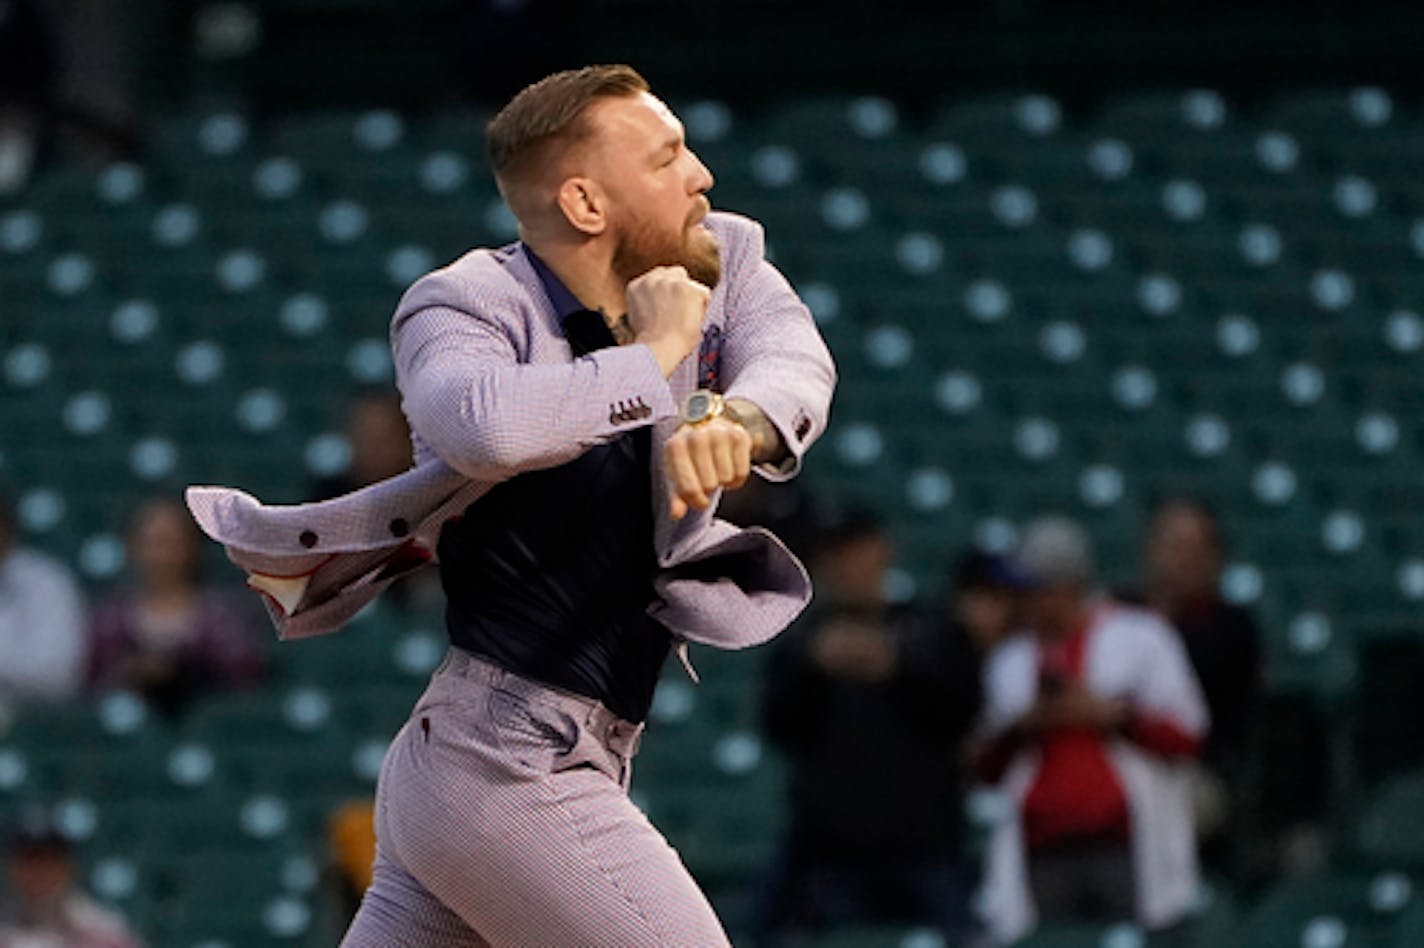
(1338,909)
(1033,304)
(878,936)
(1384,835)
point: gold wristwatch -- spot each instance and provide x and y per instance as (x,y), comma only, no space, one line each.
(703,405)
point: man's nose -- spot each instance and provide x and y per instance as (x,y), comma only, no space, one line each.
(702,179)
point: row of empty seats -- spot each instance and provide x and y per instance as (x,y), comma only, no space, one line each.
(1032,308)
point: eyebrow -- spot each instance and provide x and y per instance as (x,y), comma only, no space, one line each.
(674,143)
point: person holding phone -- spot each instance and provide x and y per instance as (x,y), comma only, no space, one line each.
(1092,713)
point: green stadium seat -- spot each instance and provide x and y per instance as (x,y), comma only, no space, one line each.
(1385,834)
(720,833)
(1026,118)
(1361,112)
(1410,929)
(342,146)
(282,920)
(217,138)
(237,884)
(1082,935)
(877,936)
(1163,116)
(1334,909)
(1031,307)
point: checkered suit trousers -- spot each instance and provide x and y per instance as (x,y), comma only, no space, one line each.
(503,819)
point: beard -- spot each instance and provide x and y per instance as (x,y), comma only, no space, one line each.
(643,246)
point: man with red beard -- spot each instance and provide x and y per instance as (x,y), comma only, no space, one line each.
(595,386)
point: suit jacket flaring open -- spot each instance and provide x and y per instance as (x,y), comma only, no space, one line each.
(492,388)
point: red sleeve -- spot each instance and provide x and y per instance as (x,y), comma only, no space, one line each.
(1161,735)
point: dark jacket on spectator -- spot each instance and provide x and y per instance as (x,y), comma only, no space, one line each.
(876,767)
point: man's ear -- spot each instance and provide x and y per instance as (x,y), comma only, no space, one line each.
(584,205)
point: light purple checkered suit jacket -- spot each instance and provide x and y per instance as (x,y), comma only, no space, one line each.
(492,389)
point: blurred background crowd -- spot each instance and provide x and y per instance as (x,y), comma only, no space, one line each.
(1116,532)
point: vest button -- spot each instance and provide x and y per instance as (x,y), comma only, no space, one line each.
(399,527)
(307,539)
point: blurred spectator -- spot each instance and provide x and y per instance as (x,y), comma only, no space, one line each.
(379,437)
(870,701)
(93,83)
(351,847)
(1090,719)
(167,637)
(27,79)
(984,606)
(1182,581)
(42,633)
(43,907)
(61,75)
(785,508)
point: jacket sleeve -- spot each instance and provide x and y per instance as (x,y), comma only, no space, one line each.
(1169,693)
(773,355)
(490,416)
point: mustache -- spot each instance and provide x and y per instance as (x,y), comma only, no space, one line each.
(703,208)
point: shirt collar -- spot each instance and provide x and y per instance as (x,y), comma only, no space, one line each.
(565,303)
(586,330)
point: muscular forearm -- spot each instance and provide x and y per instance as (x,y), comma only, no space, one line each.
(767,446)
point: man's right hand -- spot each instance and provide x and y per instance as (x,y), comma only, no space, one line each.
(665,311)
(854,650)
(1074,706)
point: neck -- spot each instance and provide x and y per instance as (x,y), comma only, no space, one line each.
(1169,590)
(1070,623)
(585,266)
(45,911)
(169,591)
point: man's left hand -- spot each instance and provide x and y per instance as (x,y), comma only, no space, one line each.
(699,459)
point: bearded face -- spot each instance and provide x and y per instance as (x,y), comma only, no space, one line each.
(644,243)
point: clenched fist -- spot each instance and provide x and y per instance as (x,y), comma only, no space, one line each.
(698,459)
(665,311)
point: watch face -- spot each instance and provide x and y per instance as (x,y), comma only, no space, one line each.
(699,404)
